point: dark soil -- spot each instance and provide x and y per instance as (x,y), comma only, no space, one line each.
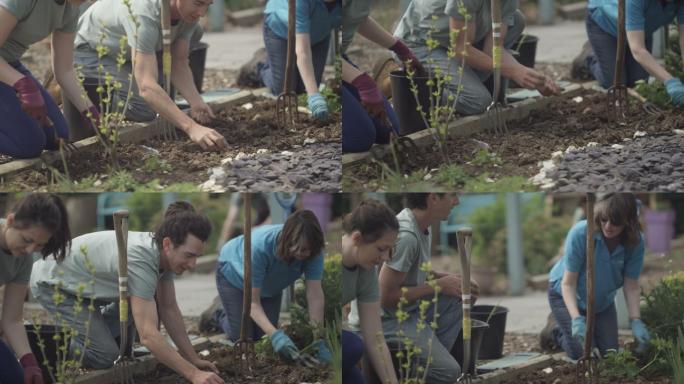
(562,373)
(246,131)
(264,370)
(562,124)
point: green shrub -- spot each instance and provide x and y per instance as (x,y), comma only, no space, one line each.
(676,357)
(618,365)
(662,311)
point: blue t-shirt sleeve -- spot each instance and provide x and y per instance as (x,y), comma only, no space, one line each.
(635,260)
(303,19)
(635,11)
(314,268)
(575,247)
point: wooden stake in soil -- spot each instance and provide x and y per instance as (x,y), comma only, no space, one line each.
(121,231)
(168,131)
(464,238)
(587,366)
(244,344)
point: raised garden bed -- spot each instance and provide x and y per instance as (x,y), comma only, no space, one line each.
(537,131)
(152,163)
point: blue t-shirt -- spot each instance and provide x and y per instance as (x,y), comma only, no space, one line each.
(313,17)
(610,269)
(269,272)
(640,15)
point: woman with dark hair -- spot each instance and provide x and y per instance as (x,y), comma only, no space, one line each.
(370,232)
(153,260)
(281,253)
(619,256)
(38,223)
(32,120)
(642,19)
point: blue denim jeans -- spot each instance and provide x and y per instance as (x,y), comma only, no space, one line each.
(10,370)
(22,136)
(352,352)
(605,329)
(601,63)
(272,72)
(103,348)
(230,316)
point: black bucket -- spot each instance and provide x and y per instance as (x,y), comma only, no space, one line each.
(492,343)
(478,329)
(46,333)
(404,102)
(198,59)
(77,129)
(526,48)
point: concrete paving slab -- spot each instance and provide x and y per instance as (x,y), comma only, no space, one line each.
(560,42)
(527,314)
(233,47)
(195,292)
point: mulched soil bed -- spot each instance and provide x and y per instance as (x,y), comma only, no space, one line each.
(562,124)
(562,373)
(247,131)
(264,370)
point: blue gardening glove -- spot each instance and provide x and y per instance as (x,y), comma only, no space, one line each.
(579,325)
(318,106)
(675,89)
(323,352)
(284,346)
(640,334)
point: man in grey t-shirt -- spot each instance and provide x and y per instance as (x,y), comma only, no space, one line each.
(106,22)
(90,270)
(405,270)
(441,17)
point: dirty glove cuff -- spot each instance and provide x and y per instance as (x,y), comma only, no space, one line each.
(405,54)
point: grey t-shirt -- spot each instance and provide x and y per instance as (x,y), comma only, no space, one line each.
(36,19)
(14,269)
(415,24)
(354,12)
(359,283)
(412,250)
(112,19)
(102,251)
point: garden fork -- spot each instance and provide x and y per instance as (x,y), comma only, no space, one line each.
(121,230)
(618,102)
(464,239)
(587,365)
(286,103)
(168,130)
(499,122)
(646,105)
(245,345)
(64,147)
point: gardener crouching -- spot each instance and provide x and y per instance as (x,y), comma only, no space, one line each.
(619,256)
(153,260)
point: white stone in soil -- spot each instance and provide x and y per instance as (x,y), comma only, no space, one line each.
(577,99)
(679,132)
(639,134)
(427,177)
(309,140)
(286,153)
(617,146)
(557,156)
(247,106)
(226,160)
(241,156)
(571,148)
(592,144)
(97,183)
(262,150)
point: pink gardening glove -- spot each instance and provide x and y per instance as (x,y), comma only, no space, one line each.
(371,98)
(32,372)
(31,99)
(407,57)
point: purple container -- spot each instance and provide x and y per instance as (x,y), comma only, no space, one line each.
(319,204)
(659,230)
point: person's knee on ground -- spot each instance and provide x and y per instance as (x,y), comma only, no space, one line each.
(472,103)
(359,132)
(96,356)
(443,371)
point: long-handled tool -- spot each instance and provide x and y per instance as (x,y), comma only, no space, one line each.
(245,345)
(286,103)
(617,94)
(499,122)
(587,365)
(464,238)
(168,131)
(121,230)
(646,105)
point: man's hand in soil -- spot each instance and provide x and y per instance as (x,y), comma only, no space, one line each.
(317,106)
(370,95)
(202,113)
(205,365)
(550,87)
(284,346)
(579,325)
(451,286)
(675,89)
(207,138)
(528,78)
(203,377)
(407,57)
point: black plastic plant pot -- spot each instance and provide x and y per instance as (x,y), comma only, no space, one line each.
(478,330)
(198,59)
(526,47)
(46,334)
(405,105)
(492,343)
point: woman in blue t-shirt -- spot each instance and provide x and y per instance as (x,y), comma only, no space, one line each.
(643,17)
(38,223)
(281,253)
(32,121)
(619,256)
